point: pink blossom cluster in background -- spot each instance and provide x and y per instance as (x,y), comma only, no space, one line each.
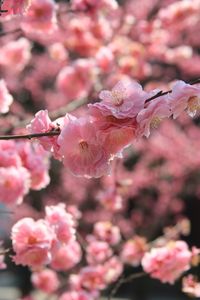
(38,243)
(100,183)
(23,167)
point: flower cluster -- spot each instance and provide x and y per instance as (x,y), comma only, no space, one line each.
(42,242)
(88,144)
(56,56)
(22,167)
(169,262)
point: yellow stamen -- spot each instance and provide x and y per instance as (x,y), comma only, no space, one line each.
(155,122)
(194,104)
(117,97)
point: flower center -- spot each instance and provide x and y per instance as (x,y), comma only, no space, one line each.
(32,240)
(155,122)
(194,104)
(83,145)
(117,98)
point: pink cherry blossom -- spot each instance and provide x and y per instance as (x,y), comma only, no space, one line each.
(9,156)
(41,124)
(113,268)
(104,58)
(58,52)
(92,277)
(66,256)
(36,160)
(40,17)
(167,263)
(45,280)
(32,241)
(184,96)
(80,73)
(98,252)
(115,133)
(107,232)
(151,116)
(15,55)
(61,222)
(125,100)
(133,250)
(14,185)
(83,153)
(191,286)
(6,99)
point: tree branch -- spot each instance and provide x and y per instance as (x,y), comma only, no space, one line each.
(124,280)
(29,136)
(161,93)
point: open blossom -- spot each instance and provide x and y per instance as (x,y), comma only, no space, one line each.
(58,52)
(191,286)
(45,280)
(92,277)
(41,124)
(133,250)
(107,232)
(80,74)
(61,222)
(167,263)
(125,100)
(8,154)
(104,58)
(115,133)
(36,160)
(66,256)
(32,241)
(40,17)
(15,54)
(178,12)
(184,96)
(83,153)
(14,184)
(113,268)
(152,115)
(6,99)
(98,252)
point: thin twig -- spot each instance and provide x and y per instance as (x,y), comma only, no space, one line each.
(161,93)
(29,136)
(124,280)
